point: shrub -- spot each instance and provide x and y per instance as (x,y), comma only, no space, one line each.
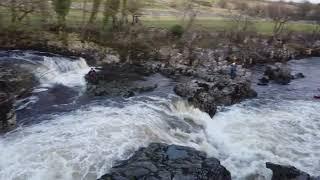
(177,30)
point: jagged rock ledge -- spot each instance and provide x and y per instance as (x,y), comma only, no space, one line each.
(161,161)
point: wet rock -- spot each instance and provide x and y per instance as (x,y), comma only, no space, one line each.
(208,95)
(279,73)
(161,161)
(7,113)
(299,76)
(119,80)
(264,81)
(16,80)
(281,172)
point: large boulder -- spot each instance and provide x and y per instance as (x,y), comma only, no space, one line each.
(279,73)
(281,172)
(221,91)
(161,161)
(119,80)
(7,113)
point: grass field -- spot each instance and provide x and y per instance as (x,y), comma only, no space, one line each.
(219,24)
(74,19)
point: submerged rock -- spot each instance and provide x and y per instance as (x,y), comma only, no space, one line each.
(281,172)
(161,161)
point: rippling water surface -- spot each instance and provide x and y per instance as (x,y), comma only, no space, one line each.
(66,135)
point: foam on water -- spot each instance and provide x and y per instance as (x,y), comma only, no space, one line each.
(52,70)
(284,133)
(247,136)
(57,70)
(85,143)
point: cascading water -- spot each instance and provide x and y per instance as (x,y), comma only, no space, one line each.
(53,70)
(84,142)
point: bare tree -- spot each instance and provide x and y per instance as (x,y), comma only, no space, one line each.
(111,9)
(84,12)
(280,14)
(94,11)
(20,9)
(241,27)
(134,8)
(190,11)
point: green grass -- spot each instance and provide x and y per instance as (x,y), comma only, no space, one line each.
(74,19)
(263,27)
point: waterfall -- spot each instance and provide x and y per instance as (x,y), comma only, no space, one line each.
(57,70)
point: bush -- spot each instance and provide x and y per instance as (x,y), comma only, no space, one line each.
(177,30)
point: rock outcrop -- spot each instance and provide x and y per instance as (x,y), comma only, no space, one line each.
(281,172)
(161,161)
(221,91)
(278,73)
(119,80)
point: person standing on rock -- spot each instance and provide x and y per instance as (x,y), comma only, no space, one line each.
(233,70)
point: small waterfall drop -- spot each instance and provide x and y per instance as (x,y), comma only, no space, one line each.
(57,70)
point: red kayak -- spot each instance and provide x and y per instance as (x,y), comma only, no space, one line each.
(316,97)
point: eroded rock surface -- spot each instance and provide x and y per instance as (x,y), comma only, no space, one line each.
(119,80)
(165,162)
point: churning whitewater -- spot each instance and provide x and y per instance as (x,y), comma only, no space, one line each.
(84,138)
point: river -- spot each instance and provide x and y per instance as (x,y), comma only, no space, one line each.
(65,135)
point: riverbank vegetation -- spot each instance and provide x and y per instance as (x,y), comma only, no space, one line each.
(106,15)
(136,25)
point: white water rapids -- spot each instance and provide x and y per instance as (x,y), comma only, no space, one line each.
(85,142)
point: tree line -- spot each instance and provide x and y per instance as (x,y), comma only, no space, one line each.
(115,11)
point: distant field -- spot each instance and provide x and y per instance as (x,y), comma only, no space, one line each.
(74,19)
(264,27)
